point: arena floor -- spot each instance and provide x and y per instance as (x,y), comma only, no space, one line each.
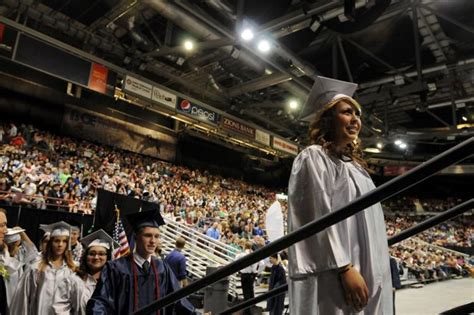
(435,298)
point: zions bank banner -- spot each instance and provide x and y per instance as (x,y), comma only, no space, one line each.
(201,113)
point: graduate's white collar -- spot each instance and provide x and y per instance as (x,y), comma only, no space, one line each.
(139,260)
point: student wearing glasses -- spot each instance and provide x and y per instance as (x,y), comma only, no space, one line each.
(74,292)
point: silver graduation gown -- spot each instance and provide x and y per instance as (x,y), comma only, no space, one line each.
(35,291)
(15,266)
(320,184)
(72,295)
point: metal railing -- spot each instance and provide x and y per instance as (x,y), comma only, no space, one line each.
(448,214)
(383,192)
(201,250)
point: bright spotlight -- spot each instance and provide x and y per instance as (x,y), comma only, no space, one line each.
(379,145)
(403,145)
(264,46)
(398,142)
(293,104)
(188,45)
(247,34)
(464,118)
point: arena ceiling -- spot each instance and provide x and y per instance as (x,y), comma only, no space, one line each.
(413,59)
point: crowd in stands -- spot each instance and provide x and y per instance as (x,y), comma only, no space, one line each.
(458,232)
(406,204)
(47,171)
(426,262)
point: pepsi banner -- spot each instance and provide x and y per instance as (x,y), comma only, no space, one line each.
(195,111)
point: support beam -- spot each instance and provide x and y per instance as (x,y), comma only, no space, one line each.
(416,36)
(432,35)
(344,59)
(448,18)
(379,60)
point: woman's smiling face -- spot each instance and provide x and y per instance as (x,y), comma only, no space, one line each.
(346,123)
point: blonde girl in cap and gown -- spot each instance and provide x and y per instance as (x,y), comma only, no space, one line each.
(19,253)
(38,284)
(74,292)
(345,268)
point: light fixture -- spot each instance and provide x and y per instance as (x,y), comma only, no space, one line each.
(379,145)
(247,34)
(188,45)
(264,46)
(293,104)
(398,142)
(403,145)
(464,118)
(372,150)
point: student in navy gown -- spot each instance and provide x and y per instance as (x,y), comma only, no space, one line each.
(134,281)
(275,305)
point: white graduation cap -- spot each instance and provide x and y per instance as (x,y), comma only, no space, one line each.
(325,93)
(60,228)
(99,238)
(13,235)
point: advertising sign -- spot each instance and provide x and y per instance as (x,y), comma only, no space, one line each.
(137,86)
(235,126)
(98,78)
(262,137)
(285,146)
(196,111)
(164,97)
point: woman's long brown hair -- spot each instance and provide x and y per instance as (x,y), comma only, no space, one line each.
(48,256)
(321,132)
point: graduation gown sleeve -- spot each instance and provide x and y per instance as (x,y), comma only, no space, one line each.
(311,195)
(23,301)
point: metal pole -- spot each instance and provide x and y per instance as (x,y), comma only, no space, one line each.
(385,191)
(448,214)
(262,297)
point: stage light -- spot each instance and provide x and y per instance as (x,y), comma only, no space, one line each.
(188,45)
(464,118)
(398,142)
(379,145)
(403,145)
(293,104)
(247,34)
(264,46)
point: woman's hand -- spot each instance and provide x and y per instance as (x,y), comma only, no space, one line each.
(355,289)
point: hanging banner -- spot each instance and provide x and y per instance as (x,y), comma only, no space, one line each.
(118,133)
(98,78)
(137,86)
(164,97)
(197,112)
(235,126)
(285,146)
(262,137)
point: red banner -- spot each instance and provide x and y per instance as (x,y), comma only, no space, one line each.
(98,78)
(2,30)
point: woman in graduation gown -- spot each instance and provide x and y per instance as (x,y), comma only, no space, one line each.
(134,281)
(19,253)
(74,292)
(35,291)
(345,268)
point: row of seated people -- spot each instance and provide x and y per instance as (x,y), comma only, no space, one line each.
(458,232)
(425,262)
(413,204)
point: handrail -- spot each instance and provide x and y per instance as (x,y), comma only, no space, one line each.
(448,214)
(383,192)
